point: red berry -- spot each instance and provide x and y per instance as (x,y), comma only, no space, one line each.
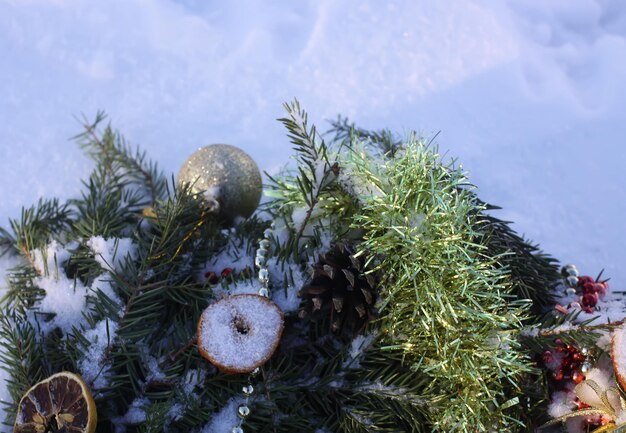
(578,357)
(226,272)
(584,280)
(558,342)
(578,377)
(589,288)
(590,300)
(211,277)
(557,375)
(580,404)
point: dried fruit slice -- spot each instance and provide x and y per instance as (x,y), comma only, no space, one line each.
(240,333)
(60,403)
(618,354)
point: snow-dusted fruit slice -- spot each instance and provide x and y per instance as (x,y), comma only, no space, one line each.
(61,403)
(240,333)
(618,354)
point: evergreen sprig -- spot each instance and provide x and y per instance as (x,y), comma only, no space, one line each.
(388,142)
(309,190)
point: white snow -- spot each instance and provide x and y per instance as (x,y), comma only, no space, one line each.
(193,378)
(529,95)
(64,297)
(561,404)
(111,253)
(233,256)
(227,418)
(285,297)
(91,366)
(103,283)
(136,414)
(357,350)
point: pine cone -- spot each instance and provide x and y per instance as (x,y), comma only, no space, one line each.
(340,289)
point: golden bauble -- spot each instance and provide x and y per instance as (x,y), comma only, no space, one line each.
(226,177)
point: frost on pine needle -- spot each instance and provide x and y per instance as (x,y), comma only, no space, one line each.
(136,414)
(103,284)
(287,278)
(224,420)
(359,345)
(93,367)
(390,392)
(193,378)
(155,373)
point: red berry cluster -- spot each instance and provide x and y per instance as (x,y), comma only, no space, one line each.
(588,290)
(564,363)
(212,277)
(591,291)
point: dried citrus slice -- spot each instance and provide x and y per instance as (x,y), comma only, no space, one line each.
(618,354)
(240,333)
(60,403)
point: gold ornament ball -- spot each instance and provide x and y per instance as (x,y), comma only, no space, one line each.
(226,177)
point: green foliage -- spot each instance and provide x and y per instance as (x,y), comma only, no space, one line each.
(387,142)
(532,272)
(447,305)
(37,225)
(308,201)
(331,384)
(444,355)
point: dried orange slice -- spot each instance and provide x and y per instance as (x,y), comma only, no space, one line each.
(60,403)
(240,333)
(618,354)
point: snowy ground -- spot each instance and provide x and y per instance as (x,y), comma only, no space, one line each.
(529,95)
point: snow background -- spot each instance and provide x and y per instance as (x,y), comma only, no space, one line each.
(529,95)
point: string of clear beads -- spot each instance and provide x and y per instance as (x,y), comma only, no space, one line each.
(260,261)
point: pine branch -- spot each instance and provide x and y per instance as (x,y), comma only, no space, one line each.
(110,149)
(315,172)
(6,242)
(388,143)
(533,273)
(37,226)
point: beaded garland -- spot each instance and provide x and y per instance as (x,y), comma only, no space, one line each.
(260,261)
